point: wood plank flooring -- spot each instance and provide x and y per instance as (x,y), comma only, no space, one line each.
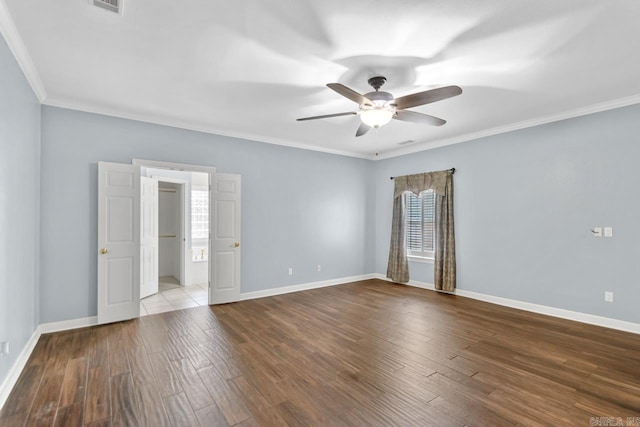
(361,354)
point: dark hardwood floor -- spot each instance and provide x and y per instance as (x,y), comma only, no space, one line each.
(364,354)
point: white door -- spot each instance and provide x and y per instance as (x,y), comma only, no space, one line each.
(149,236)
(118,242)
(224,262)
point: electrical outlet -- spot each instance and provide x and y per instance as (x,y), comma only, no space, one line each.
(290,271)
(319,267)
(608,296)
(4,348)
(608,232)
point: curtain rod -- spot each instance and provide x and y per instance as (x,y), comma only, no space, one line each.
(453,170)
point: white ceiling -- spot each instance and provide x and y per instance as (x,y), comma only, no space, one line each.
(250,68)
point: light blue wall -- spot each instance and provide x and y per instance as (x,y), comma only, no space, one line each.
(19,207)
(299,208)
(525,203)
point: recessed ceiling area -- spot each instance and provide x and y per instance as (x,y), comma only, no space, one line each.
(249,69)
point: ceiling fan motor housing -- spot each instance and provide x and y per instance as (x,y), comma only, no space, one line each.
(376,82)
(379,97)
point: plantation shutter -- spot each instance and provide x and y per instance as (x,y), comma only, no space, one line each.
(420,224)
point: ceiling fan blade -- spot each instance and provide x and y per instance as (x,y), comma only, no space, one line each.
(426,97)
(414,117)
(326,116)
(362,129)
(350,93)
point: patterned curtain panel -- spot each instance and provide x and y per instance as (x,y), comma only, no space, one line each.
(398,266)
(445,260)
(444,267)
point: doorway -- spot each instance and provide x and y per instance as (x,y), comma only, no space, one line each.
(182,277)
(170,204)
(183,208)
(124,243)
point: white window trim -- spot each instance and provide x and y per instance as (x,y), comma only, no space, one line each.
(421,259)
(427,257)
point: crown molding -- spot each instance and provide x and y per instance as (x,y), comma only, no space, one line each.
(10,33)
(577,112)
(19,50)
(183,124)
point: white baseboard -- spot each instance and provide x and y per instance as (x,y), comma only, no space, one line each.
(44,328)
(303,287)
(591,319)
(65,325)
(18,366)
(577,316)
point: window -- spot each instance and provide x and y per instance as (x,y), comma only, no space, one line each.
(420,224)
(199,225)
(199,214)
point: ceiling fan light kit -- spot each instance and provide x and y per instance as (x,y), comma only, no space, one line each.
(376,116)
(382,110)
(378,108)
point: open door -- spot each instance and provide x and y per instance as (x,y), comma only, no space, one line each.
(149,236)
(224,262)
(118,242)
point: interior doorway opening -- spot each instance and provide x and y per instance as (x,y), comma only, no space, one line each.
(170,235)
(128,235)
(182,277)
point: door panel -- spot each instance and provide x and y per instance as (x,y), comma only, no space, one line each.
(225,219)
(225,265)
(149,245)
(225,271)
(119,231)
(118,242)
(119,271)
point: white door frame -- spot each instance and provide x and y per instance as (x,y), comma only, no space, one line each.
(211,171)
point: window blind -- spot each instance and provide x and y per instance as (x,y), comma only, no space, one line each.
(420,224)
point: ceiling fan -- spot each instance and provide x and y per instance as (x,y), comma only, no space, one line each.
(378,108)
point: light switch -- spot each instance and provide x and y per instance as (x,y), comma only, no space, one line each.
(597,231)
(608,232)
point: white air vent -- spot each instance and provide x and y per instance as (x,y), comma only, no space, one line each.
(408,141)
(110,5)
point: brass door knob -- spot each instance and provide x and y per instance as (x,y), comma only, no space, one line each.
(103,251)
(236,244)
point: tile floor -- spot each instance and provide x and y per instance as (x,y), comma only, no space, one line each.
(172,297)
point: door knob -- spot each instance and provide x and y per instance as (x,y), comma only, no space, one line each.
(236,244)
(103,251)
